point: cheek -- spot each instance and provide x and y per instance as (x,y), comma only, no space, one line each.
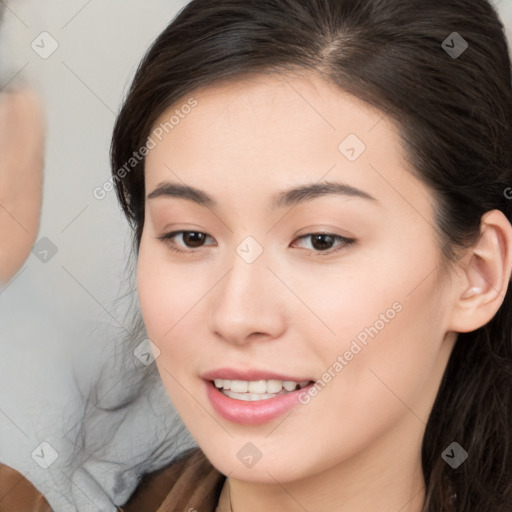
(387,318)
(152,299)
(164,301)
(391,360)
(171,307)
(361,299)
(165,291)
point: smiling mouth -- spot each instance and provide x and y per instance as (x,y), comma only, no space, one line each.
(251,391)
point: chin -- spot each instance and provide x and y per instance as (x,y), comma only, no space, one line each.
(262,471)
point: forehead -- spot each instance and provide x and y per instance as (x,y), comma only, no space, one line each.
(279,109)
(273,132)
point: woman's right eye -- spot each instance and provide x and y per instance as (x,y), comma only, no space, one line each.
(191,240)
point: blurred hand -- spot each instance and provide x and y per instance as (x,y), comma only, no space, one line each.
(21,177)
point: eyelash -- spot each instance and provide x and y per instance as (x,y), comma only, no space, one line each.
(346,242)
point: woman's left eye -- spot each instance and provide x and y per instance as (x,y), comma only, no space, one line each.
(319,241)
(195,239)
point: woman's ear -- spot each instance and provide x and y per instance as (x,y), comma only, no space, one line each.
(487,267)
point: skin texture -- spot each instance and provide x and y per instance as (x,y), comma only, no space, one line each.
(356,445)
(21,177)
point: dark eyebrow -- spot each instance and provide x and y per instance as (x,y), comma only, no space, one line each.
(167,189)
(287,198)
(308,192)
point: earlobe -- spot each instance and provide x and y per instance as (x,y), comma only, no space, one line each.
(486,275)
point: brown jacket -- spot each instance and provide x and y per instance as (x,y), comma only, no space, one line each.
(188,484)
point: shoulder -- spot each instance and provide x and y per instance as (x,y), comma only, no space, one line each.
(188,482)
(17,494)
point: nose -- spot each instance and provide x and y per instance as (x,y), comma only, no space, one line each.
(248,303)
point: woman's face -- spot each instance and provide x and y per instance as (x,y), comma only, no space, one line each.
(257,293)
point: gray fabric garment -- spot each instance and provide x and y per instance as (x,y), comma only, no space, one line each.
(40,403)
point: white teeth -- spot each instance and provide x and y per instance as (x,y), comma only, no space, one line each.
(259,387)
(274,386)
(289,385)
(239,386)
(248,397)
(221,383)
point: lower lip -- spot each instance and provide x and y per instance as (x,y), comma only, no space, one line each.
(252,413)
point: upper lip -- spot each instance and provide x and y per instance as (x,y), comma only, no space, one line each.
(249,375)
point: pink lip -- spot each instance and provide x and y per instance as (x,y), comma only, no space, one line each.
(233,374)
(252,413)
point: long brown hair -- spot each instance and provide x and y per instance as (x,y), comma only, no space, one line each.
(441,70)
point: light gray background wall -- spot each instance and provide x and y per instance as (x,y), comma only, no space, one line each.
(63,312)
